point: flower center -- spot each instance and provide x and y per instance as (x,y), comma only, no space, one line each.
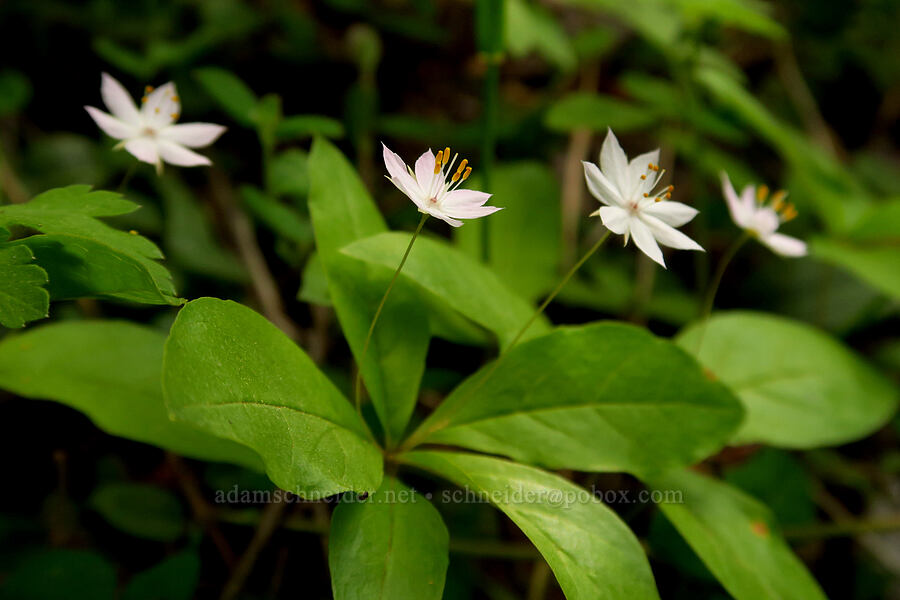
(149,132)
(785,210)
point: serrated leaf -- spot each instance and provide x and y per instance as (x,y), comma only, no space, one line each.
(590,550)
(343,212)
(390,546)
(111,372)
(23,297)
(736,538)
(230,372)
(459,282)
(141,510)
(600,397)
(73,210)
(800,387)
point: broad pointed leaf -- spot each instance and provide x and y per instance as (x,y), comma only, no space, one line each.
(343,212)
(735,536)
(590,550)
(230,372)
(111,372)
(600,397)
(800,387)
(390,546)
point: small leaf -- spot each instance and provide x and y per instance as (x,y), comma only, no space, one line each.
(230,372)
(800,387)
(736,538)
(872,262)
(73,210)
(392,545)
(175,578)
(278,217)
(601,397)
(305,126)
(454,278)
(229,92)
(314,287)
(142,510)
(111,372)
(590,550)
(288,174)
(529,27)
(583,110)
(23,297)
(60,575)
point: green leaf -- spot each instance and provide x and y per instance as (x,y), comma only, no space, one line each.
(278,217)
(111,372)
(525,238)
(73,210)
(298,127)
(454,278)
(392,545)
(23,297)
(314,287)
(600,397)
(175,578)
(585,110)
(873,263)
(61,575)
(528,27)
(741,14)
(735,537)
(189,237)
(79,267)
(343,212)
(779,481)
(800,387)
(590,550)
(288,174)
(15,92)
(142,510)
(229,371)
(229,92)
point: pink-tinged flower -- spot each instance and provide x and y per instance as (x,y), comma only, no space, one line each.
(150,133)
(751,212)
(434,186)
(634,207)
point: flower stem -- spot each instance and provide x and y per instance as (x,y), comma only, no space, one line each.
(713,288)
(420,434)
(362,358)
(127,177)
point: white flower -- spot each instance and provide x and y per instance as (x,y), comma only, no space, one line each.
(149,133)
(751,213)
(633,208)
(434,190)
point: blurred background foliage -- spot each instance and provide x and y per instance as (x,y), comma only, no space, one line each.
(801,94)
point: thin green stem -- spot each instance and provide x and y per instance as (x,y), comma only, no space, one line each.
(713,288)
(127,177)
(362,358)
(423,431)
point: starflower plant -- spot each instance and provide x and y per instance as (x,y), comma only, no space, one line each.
(761,216)
(150,133)
(634,204)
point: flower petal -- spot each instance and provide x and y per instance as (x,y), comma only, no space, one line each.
(118,101)
(110,125)
(675,214)
(669,236)
(193,135)
(638,166)
(614,163)
(736,206)
(644,240)
(425,173)
(162,106)
(600,187)
(614,218)
(175,154)
(143,149)
(399,175)
(435,212)
(785,245)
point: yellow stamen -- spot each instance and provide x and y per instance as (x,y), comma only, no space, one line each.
(668,195)
(789,214)
(671,188)
(148,89)
(144,99)
(446,155)
(175,99)
(762,193)
(460,169)
(643,177)
(156,110)
(133,232)
(174,116)
(467,173)
(437,162)
(778,200)
(646,195)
